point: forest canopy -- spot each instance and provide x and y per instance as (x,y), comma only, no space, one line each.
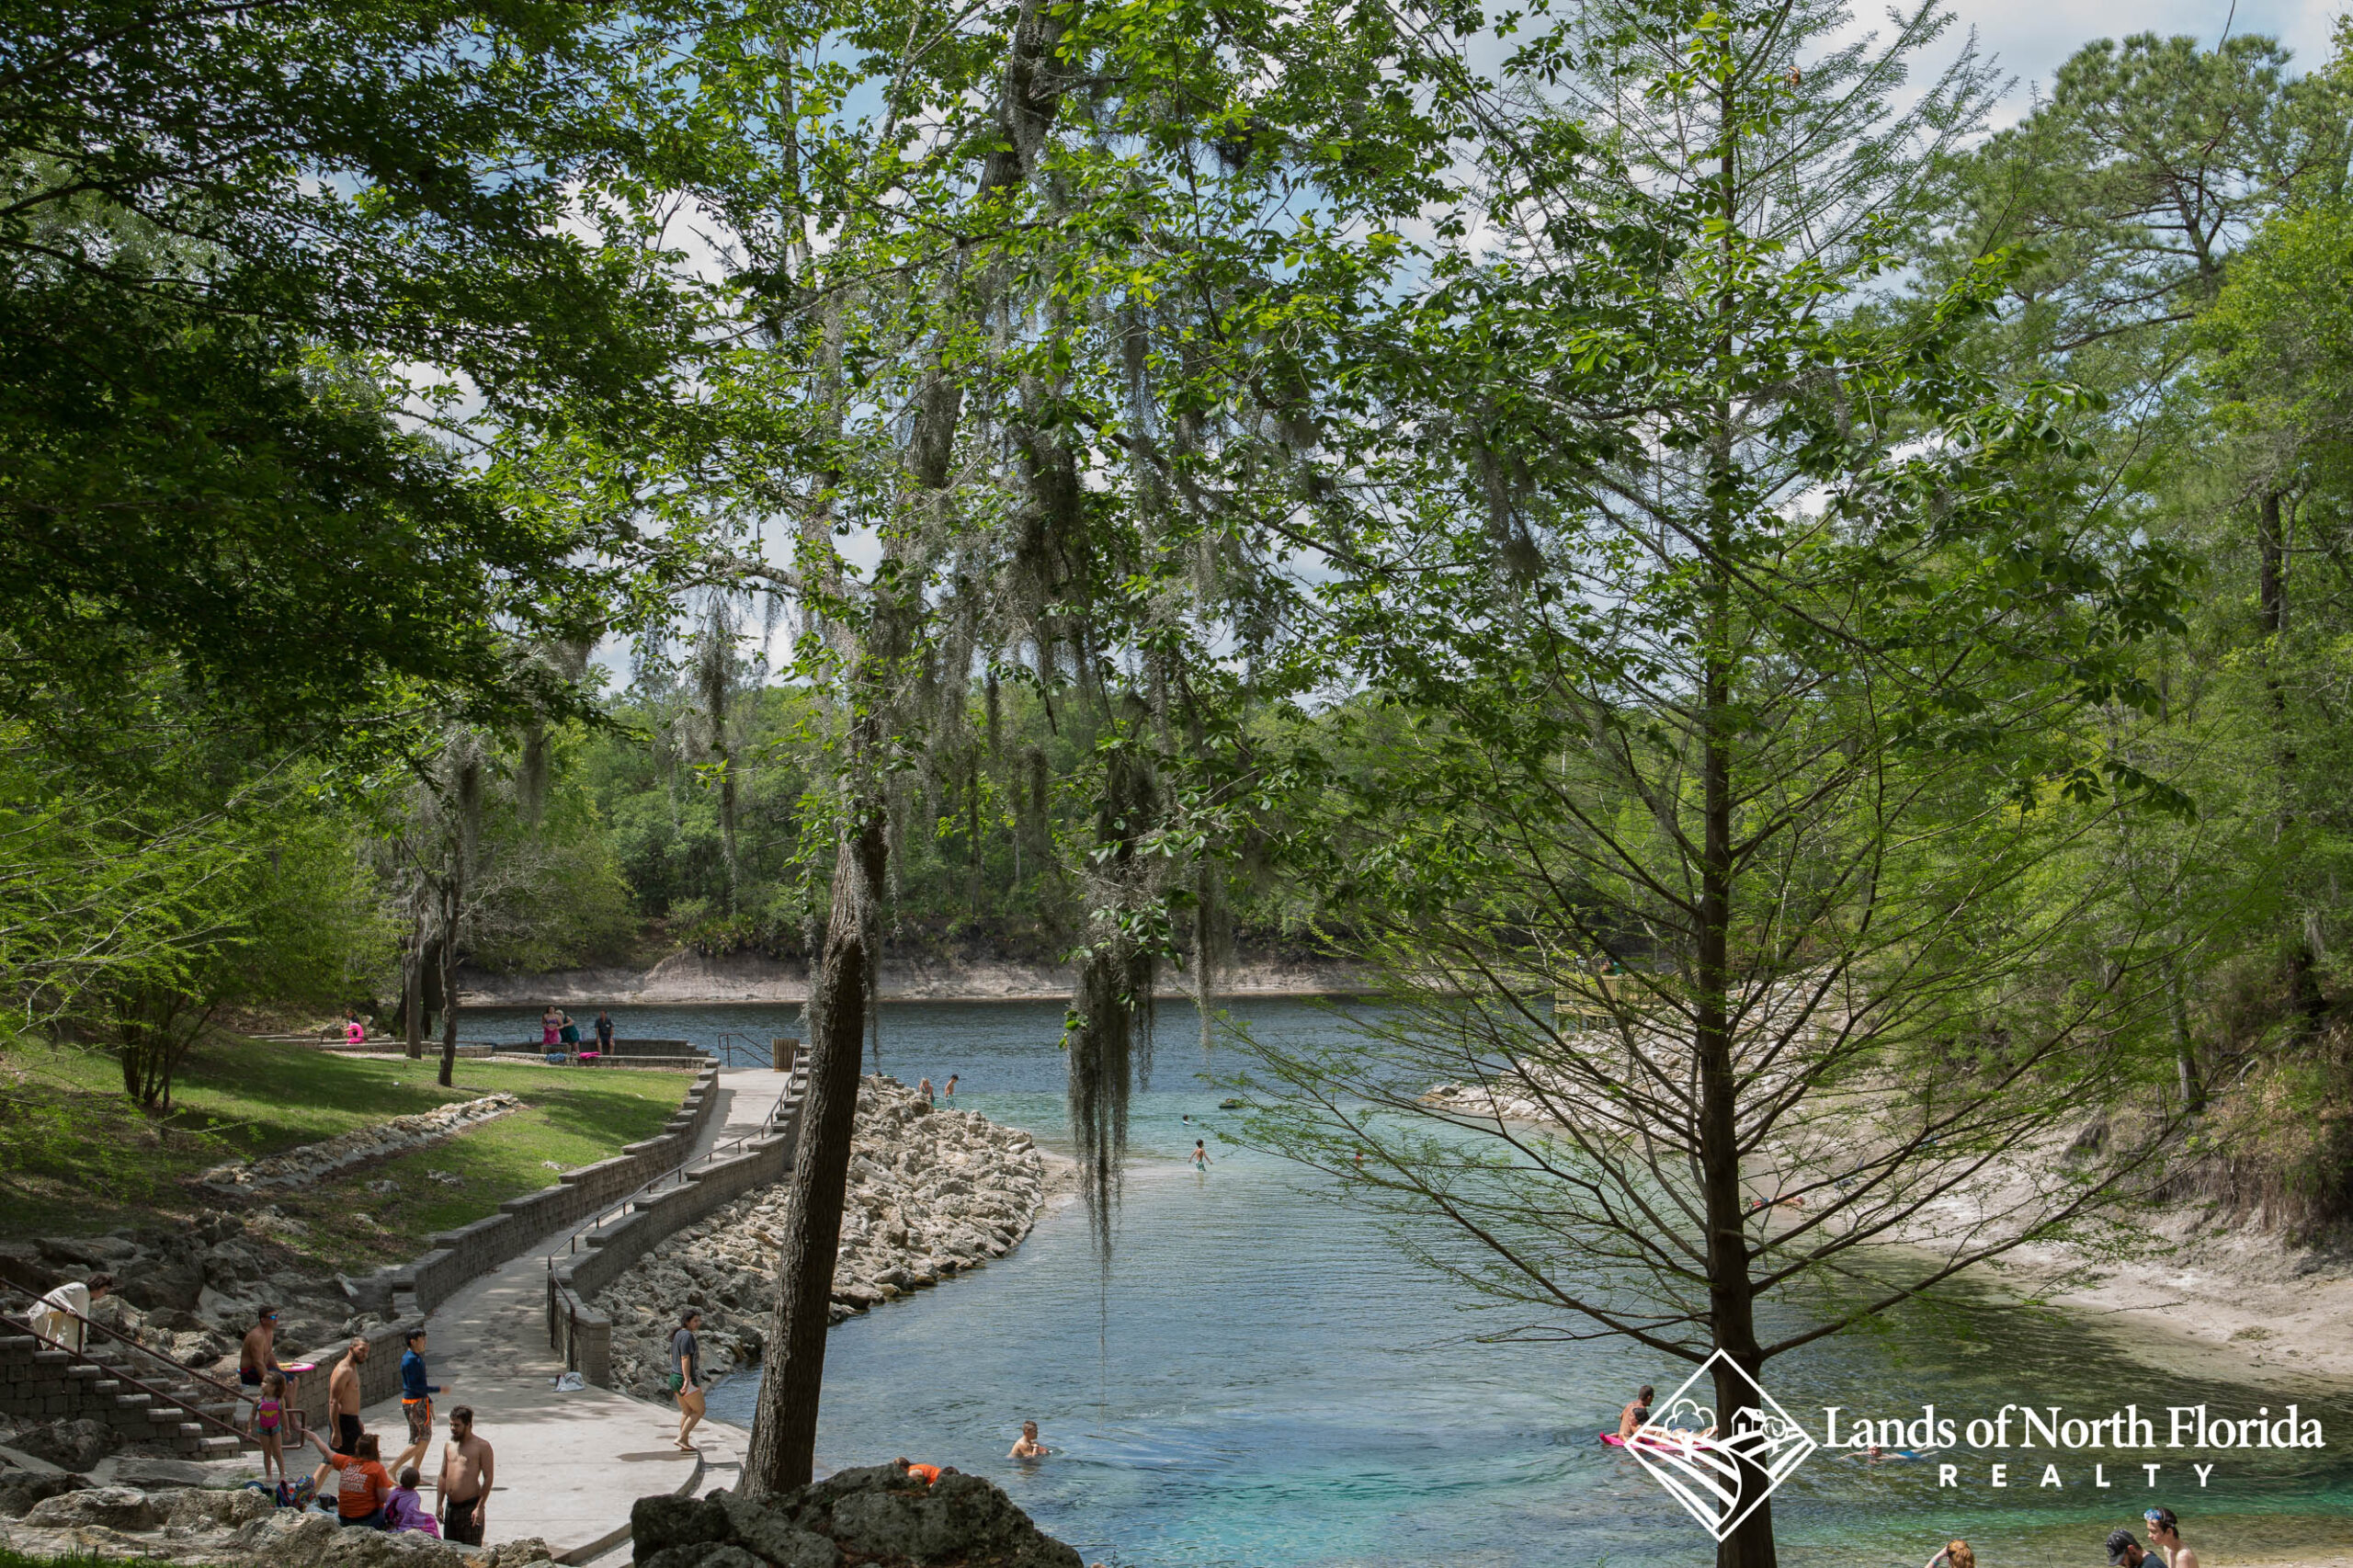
(1685,497)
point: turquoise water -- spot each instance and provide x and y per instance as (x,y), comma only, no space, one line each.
(1265,1380)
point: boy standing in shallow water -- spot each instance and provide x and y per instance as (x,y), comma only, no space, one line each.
(1028,1448)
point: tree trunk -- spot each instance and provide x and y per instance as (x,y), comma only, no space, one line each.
(784,1431)
(451,894)
(2185,1051)
(413,993)
(1731,1304)
(1731,1301)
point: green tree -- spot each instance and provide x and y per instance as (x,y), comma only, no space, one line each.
(1750,656)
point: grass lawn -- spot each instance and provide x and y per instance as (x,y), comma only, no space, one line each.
(77,1156)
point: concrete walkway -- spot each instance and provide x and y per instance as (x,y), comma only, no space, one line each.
(569,1466)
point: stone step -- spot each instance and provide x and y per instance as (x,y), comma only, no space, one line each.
(221,1446)
(133,1401)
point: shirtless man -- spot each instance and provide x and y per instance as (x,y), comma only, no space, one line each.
(343,1408)
(2165,1531)
(468,1471)
(1028,1448)
(259,1355)
(1636,1415)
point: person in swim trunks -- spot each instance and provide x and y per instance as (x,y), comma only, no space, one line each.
(343,1408)
(416,1402)
(1636,1415)
(259,1355)
(468,1471)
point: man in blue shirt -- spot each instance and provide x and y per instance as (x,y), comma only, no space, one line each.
(416,1402)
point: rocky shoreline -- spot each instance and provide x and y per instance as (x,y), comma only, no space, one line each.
(689,978)
(932,1193)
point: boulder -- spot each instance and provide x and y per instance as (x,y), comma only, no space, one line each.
(197,1509)
(154,1475)
(173,1284)
(70,1445)
(114,1507)
(20,1490)
(878,1517)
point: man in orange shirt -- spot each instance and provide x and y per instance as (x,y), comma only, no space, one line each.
(926,1473)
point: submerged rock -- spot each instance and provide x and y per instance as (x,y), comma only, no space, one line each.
(878,1516)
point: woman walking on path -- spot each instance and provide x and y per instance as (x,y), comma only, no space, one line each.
(685,1376)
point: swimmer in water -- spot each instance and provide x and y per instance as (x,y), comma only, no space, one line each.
(1200,1155)
(1636,1414)
(1028,1448)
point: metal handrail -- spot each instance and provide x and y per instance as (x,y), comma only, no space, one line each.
(676,1176)
(175,1401)
(122,1338)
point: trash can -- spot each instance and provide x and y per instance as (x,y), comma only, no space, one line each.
(780,1050)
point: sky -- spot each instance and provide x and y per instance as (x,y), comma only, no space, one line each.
(2032,38)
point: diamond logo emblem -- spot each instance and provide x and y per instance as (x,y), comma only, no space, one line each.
(1700,1466)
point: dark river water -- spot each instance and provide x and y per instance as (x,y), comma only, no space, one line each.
(1265,1379)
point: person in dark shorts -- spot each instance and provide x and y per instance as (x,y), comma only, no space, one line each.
(686,1375)
(416,1402)
(257,1358)
(343,1409)
(468,1469)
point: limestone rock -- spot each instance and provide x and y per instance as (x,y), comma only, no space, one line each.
(877,1517)
(20,1490)
(115,1508)
(70,1445)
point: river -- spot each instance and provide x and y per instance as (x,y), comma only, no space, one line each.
(1265,1379)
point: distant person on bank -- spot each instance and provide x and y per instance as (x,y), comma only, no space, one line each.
(354,1031)
(949,1094)
(685,1376)
(924,1088)
(2164,1532)
(63,1315)
(552,1030)
(568,1031)
(468,1471)
(604,1033)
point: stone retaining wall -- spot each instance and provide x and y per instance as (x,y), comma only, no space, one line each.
(581,1333)
(459,1257)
